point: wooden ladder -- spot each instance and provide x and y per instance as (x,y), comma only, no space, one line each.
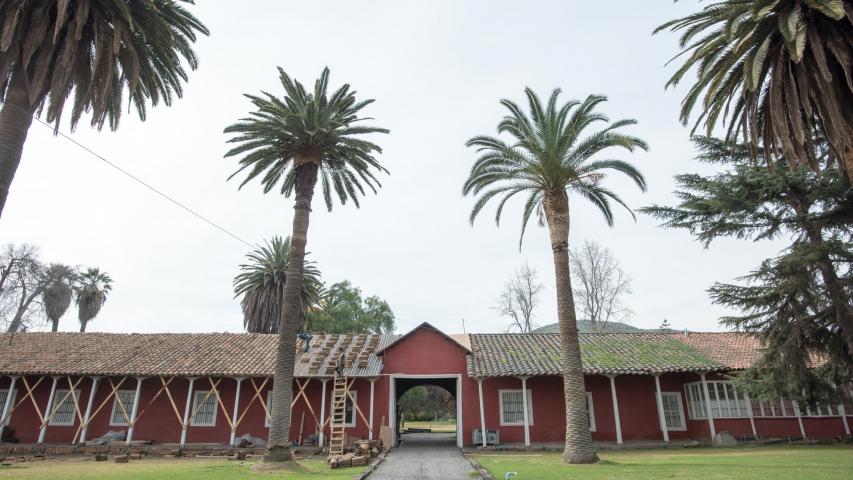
(337,422)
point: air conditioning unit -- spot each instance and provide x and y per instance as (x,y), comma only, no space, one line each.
(492,437)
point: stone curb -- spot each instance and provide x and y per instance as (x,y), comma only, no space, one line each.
(372,465)
(484,474)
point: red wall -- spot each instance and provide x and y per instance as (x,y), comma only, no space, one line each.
(424,352)
(158,422)
(427,352)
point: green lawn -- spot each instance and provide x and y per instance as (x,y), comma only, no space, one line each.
(156,469)
(819,462)
(441,426)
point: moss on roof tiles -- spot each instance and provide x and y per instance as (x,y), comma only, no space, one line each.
(539,354)
(643,354)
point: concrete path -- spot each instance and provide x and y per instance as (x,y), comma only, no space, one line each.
(425,456)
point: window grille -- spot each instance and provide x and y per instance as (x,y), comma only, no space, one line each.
(512,412)
(122,407)
(63,408)
(205,409)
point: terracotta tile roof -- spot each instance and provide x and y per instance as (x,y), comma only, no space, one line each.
(610,353)
(735,350)
(182,354)
(232,355)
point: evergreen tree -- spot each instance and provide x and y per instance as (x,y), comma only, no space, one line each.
(799,302)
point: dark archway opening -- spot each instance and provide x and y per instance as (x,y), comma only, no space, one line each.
(426,410)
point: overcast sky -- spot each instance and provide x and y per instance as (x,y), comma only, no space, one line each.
(437,70)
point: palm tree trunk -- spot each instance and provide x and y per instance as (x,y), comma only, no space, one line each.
(15,119)
(54,325)
(579,447)
(83,325)
(278,446)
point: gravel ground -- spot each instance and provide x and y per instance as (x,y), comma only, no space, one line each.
(425,456)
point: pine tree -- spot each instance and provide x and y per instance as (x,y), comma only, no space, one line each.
(798,302)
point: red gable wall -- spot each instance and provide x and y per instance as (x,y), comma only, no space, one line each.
(425,352)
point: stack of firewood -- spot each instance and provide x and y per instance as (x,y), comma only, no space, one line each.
(360,453)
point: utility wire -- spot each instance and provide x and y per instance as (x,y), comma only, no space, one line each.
(158,192)
(146,185)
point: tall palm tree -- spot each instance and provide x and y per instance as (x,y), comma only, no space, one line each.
(261,284)
(546,160)
(294,141)
(57,294)
(101,50)
(776,71)
(91,289)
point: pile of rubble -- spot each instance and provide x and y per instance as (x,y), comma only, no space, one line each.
(357,456)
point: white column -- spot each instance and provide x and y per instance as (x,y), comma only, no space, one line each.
(47,410)
(187,411)
(323,413)
(234,413)
(482,412)
(370,428)
(526,419)
(85,427)
(661,418)
(134,409)
(799,419)
(459,426)
(840,411)
(617,421)
(708,407)
(43,429)
(8,404)
(392,408)
(749,412)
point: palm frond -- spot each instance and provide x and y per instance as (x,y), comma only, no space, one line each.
(547,152)
(325,128)
(261,281)
(109,53)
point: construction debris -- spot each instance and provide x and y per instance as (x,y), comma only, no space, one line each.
(359,455)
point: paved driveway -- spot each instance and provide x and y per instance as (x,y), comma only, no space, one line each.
(425,456)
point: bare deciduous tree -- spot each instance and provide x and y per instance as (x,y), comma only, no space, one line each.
(22,281)
(601,285)
(519,298)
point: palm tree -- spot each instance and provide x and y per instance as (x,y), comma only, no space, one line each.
(776,71)
(294,141)
(100,50)
(261,283)
(546,160)
(57,294)
(91,289)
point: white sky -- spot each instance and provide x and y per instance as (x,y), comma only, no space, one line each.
(437,70)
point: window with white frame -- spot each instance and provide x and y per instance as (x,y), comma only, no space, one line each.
(122,407)
(349,410)
(63,408)
(4,394)
(773,408)
(590,411)
(847,399)
(725,400)
(673,412)
(204,409)
(512,410)
(822,410)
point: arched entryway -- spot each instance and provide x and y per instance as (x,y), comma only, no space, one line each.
(401,383)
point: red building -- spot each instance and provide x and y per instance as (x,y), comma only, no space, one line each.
(211,388)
